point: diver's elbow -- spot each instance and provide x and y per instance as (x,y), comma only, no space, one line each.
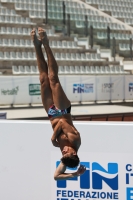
(55,177)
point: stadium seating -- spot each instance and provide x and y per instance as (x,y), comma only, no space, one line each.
(73,57)
(119,9)
(90,70)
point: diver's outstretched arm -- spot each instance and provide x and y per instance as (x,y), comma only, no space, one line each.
(60,175)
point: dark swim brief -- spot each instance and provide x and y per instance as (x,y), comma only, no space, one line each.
(55,112)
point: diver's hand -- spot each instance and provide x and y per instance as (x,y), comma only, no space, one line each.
(55,143)
(81,170)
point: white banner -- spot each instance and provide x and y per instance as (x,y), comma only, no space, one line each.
(63,82)
(88,85)
(7,90)
(129,87)
(103,88)
(73,88)
(26,89)
(34,90)
(117,92)
(21,82)
(20,90)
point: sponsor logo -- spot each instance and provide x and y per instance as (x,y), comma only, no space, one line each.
(107,87)
(96,183)
(13,91)
(98,174)
(103,178)
(130,87)
(83,88)
(34,89)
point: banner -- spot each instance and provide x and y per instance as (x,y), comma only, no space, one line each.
(21,83)
(103,88)
(129,87)
(88,88)
(78,88)
(20,90)
(7,90)
(34,90)
(63,82)
(117,91)
(74,88)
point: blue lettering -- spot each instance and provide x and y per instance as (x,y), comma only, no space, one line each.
(58,192)
(64,193)
(65,199)
(97,178)
(98,195)
(103,195)
(76,194)
(94,195)
(115,195)
(63,183)
(88,195)
(129,167)
(82,194)
(75,89)
(109,195)
(85,178)
(127,178)
(70,193)
(79,88)
(129,193)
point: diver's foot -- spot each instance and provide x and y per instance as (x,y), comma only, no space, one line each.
(37,42)
(43,36)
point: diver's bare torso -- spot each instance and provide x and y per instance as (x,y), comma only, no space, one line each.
(69,134)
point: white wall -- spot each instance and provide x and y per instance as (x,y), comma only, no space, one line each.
(28,159)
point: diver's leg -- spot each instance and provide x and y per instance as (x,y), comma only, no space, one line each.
(59,97)
(46,94)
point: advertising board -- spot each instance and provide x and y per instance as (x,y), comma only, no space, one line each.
(28,161)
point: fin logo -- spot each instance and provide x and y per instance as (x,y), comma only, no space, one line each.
(98,174)
(110,177)
(84,179)
(83,88)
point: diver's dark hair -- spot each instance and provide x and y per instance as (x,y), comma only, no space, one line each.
(72,161)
